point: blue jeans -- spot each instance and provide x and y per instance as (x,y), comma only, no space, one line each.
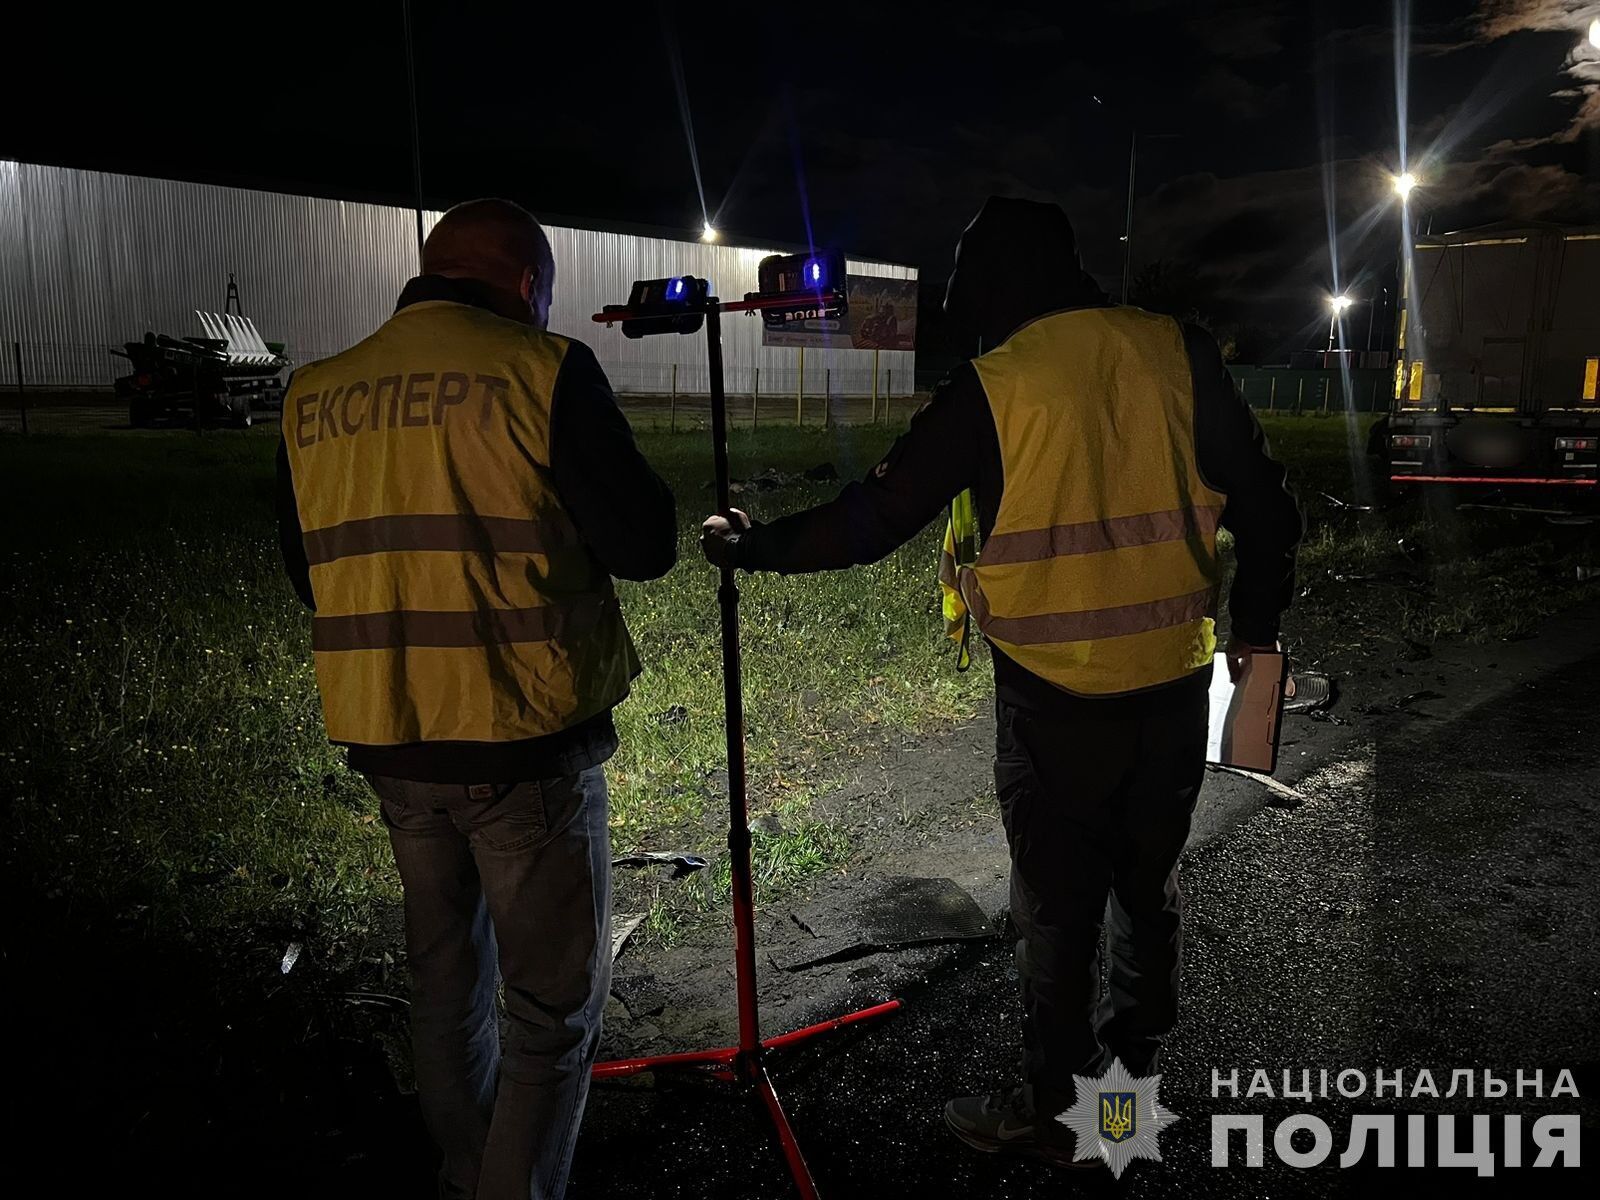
(514,876)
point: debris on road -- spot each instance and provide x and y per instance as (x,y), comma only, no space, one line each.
(883,914)
(1289,798)
(1308,690)
(291,955)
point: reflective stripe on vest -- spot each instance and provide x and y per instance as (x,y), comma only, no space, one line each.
(1101,573)
(455,600)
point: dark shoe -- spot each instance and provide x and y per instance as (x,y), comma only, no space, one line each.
(1005,1123)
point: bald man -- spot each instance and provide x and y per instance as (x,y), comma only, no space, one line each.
(456,493)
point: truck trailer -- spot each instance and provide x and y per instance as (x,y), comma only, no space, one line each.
(1495,379)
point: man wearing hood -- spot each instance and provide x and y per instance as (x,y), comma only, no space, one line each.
(1097,449)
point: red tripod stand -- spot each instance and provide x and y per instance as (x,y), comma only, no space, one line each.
(743,1064)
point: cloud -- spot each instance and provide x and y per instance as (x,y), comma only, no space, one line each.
(1237,96)
(1241,31)
(1502,18)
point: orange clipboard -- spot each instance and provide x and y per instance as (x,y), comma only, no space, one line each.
(1247,717)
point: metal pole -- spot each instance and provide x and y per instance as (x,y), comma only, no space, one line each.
(672,402)
(1127,229)
(1272,396)
(733,719)
(755,401)
(800,391)
(874,386)
(1299,395)
(827,397)
(22,392)
(888,392)
(416,143)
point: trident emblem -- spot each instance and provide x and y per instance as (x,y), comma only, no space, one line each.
(1116,1116)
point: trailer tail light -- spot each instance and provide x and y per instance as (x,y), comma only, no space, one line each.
(1591,377)
(1415,392)
(1411,441)
(1577,443)
(1399,378)
(144,379)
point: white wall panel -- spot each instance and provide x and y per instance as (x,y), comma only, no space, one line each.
(91,260)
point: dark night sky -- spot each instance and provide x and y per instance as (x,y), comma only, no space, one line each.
(884,126)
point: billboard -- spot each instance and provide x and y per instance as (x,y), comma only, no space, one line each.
(882,316)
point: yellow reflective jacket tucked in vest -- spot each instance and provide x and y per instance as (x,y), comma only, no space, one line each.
(455,600)
(1101,573)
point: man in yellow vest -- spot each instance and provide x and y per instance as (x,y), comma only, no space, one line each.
(455,494)
(1096,450)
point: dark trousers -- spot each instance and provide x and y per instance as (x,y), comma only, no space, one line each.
(1096,811)
(514,880)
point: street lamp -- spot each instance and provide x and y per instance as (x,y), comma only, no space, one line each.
(708,233)
(1403,183)
(1338,304)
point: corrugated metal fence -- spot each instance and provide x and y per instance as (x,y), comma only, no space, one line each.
(1286,390)
(89,261)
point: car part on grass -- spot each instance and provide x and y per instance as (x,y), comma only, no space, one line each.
(681,864)
(622,927)
(885,914)
(376,1000)
(1398,579)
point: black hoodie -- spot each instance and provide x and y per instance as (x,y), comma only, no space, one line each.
(1016,262)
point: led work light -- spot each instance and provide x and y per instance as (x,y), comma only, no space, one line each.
(675,305)
(814,284)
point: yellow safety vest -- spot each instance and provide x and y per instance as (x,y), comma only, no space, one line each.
(1101,572)
(455,599)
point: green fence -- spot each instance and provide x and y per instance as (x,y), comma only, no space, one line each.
(1285,390)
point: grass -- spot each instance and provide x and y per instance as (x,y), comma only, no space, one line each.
(161,725)
(159,722)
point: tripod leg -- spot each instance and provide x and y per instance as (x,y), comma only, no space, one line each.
(805,1186)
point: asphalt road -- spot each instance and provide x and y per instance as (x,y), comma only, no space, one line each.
(1432,903)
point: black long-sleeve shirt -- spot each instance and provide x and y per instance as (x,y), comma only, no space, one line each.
(952,445)
(623,511)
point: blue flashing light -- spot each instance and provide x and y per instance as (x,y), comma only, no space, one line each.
(813,272)
(675,288)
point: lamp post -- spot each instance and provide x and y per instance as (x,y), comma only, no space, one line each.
(1338,304)
(1127,226)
